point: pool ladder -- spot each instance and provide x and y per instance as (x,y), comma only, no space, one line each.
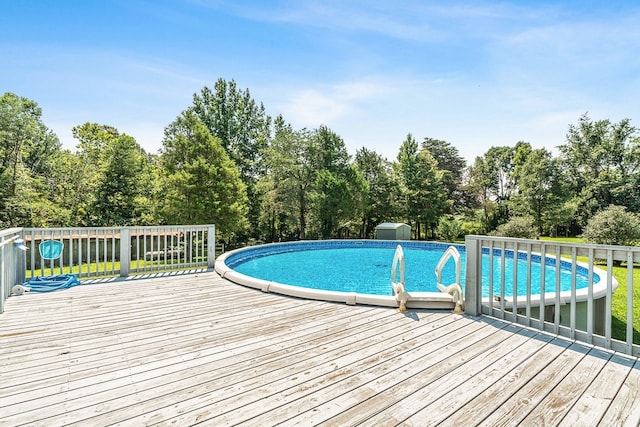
(398,286)
(454,289)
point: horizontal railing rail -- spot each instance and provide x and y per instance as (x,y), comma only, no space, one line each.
(99,252)
(497,286)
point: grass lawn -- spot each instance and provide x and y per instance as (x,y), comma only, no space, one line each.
(104,269)
(619,298)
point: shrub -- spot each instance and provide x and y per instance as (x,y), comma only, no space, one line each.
(613,226)
(518,226)
(472,227)
(449,229)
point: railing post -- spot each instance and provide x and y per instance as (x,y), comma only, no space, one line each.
(211,246)
(2,278)
(21,268)
(125,252)
(473,280)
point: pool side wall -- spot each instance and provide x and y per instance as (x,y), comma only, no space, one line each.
(431,300)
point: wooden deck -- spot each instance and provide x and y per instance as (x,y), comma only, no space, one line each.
(192,349)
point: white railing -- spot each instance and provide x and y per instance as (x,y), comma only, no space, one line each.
(99,252)
(10,257)
(583,314)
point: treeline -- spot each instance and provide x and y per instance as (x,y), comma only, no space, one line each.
(225,161)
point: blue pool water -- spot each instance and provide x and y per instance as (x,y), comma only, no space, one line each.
(365,267)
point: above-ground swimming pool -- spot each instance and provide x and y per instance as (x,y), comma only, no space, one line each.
(359,271)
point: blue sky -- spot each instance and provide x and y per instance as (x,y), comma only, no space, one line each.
(473,73)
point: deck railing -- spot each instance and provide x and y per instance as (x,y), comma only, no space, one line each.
(582,314)
(98,252)
(10,258)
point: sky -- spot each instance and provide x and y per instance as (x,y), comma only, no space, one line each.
(475,74)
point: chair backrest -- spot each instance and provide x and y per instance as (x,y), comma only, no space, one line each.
(51,249)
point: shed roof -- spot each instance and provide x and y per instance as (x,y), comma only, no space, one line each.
(391,225)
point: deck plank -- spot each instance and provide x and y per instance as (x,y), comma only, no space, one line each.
(432,405)
(186,349)
(144,362)
(312,365)
(287,398)
(525,399)
(625,407)
(561,399)
(594,402)
(399,381)
(213,376)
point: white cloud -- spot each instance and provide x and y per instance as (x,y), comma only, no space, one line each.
(475,74)
(329,103)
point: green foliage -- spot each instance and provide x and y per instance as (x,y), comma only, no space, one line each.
(337,183)
(449,229)
(332,202)
(200,183)
(380,191)
(108,181)
(602,160)
(613,226)
(424,195)
(541,192)
(291,159)
(521,227)
(244,130)
(241,125)
(118,191)
(27,153)
(452,164)
(303,182)
(472,227)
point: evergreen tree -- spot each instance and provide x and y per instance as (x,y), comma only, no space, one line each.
(200,182)
(243,129)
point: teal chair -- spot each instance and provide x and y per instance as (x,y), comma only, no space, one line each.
(51,249)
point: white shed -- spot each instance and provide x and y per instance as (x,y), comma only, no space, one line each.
(393,231)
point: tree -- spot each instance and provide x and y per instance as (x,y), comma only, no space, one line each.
(244,131)
(424,194)
(86,171)
(431,193)
(480,183)
(337,185)
(493,179)
(27,153)
(602,163)
(500,166)
(332,202)
(291,160)
(120,184)
(108,179)
(452,164)
(539,187)
(93,139)
(200,182)
(380,193)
